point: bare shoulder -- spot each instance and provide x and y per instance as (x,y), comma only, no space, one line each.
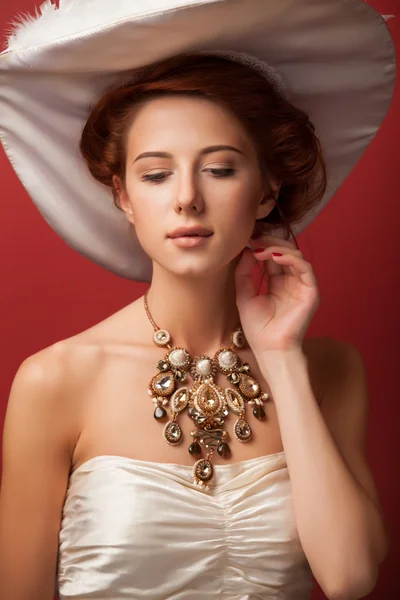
(40,388)
(69,367)
(40,431)
(43,370)
(69,362)
(54,365)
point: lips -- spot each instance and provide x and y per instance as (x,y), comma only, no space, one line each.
(191,235)
(190,232)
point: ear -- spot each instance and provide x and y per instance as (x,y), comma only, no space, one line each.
(268,198)
(123,198)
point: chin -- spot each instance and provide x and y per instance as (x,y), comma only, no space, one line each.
(197,267)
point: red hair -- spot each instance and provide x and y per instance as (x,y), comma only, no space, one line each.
(283,135)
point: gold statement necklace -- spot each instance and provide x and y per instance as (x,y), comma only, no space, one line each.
(207,404)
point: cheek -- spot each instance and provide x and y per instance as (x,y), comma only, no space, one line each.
(147,223)
(239,209)
(146,211)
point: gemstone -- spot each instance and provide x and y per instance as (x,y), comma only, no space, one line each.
(195,449)
(242,430)
(234,401)
(178,357)
(172,433)
(160,413)
(204,366)
(249,387)
(207,399)
(245,368)
(259,412)
(203,470)
(161,337)
(223,449)
(163,365)
(227,360)
(163,383)
(238,338)
(179,400)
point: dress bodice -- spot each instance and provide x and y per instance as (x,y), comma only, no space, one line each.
(136,529)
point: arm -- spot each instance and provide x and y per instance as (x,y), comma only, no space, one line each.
(337,510)
(37,446)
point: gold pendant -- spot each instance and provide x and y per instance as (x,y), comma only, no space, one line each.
(203,471)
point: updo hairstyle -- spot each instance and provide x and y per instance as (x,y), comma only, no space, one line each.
(283,136)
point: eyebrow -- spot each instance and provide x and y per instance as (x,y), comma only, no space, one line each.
(207,150)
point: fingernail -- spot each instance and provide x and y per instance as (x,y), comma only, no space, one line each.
(258,250)
(277,254)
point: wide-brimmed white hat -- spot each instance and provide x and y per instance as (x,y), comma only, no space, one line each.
(334,58)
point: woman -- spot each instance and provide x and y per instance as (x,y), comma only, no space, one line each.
(194,444)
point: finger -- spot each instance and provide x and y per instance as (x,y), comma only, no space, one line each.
(269,266)
(245,289)
(300,267)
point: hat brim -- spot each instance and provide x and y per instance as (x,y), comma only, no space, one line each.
(336,58)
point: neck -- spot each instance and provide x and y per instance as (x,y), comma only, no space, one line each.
(200,314)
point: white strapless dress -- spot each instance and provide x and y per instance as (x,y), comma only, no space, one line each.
(136,529)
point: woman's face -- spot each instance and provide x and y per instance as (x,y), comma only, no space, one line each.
(177,176)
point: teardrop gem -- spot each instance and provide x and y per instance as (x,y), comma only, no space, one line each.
(207,399)
(160,413)
(224,450)
(242,430)
(180,399)
(249,387)
(203,470)
(163,384)
(234,401)
(259,412)
(195,449)
(172,433)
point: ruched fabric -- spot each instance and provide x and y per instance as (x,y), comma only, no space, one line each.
(136,529)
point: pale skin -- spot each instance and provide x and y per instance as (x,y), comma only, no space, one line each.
(86,395)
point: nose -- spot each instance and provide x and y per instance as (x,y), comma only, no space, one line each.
(188,197)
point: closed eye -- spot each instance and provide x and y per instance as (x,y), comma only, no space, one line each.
(227,172)
(158,177)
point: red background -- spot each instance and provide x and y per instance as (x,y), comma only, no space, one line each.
(49,292)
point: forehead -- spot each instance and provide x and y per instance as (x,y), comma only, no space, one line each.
(184,119)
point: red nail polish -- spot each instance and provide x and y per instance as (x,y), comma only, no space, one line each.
(277,254)
(258,250)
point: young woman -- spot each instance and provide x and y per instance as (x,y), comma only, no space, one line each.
(195,444)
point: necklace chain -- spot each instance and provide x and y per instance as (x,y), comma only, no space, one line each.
(232,346)
(146,307)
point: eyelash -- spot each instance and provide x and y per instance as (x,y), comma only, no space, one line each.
(153,178)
